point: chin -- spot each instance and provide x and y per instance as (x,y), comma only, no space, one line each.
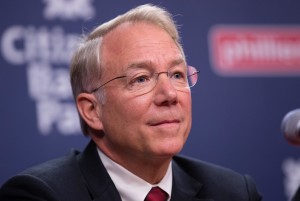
(169,150)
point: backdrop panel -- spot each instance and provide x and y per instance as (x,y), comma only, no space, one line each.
(248,53)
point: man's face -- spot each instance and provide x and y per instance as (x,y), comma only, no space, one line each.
(155,124)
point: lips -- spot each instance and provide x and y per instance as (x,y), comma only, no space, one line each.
(164,122)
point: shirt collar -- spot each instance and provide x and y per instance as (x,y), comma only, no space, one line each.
(130,186)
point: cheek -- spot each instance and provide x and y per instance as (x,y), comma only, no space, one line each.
(187,102)
(187,109)
(126,108)
(190,108)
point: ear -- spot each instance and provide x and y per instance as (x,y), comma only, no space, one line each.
(89,110)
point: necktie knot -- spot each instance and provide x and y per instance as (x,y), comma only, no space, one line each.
(156,194)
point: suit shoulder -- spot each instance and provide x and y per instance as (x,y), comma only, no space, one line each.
(218,180)
(57,178)
(192,165)
(59,167)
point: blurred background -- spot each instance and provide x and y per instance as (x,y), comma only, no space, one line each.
(248,53)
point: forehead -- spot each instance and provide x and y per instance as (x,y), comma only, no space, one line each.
(137,43)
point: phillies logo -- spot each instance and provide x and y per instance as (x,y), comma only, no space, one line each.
(255,50)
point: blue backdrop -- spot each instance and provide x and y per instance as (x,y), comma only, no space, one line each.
(237,111)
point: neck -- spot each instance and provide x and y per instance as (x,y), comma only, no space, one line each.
(152,169)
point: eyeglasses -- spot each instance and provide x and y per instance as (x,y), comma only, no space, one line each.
(144,81)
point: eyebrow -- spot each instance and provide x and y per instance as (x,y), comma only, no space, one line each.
(177,62)
(148,64)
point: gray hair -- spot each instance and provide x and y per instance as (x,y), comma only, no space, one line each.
(85,68)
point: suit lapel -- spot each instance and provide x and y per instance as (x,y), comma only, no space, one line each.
(101,187)
(97,180)
(184,186)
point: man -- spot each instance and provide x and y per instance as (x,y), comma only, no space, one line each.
(132,89)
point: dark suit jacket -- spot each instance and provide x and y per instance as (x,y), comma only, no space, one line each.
(82,176)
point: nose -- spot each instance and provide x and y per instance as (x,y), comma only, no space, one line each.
(164,91)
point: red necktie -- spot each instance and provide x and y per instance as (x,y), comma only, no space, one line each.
(156,194)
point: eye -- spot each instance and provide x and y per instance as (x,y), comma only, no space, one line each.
(178,75)
(139,79)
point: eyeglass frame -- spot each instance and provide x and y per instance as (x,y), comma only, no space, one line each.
(162,72)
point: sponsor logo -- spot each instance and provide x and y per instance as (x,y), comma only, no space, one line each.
(69,9)
(46,53)
(255,50)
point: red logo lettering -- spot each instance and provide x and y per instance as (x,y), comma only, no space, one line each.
(255,50)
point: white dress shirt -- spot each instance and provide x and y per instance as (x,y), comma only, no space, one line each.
(130,186)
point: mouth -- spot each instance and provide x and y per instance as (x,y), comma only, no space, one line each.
(165,122)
